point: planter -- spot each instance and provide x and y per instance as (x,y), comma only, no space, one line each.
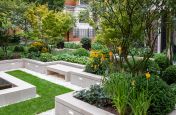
(20,91)
(68,105)
(84,79)
(71,2)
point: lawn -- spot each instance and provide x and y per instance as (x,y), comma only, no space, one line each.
(45,89)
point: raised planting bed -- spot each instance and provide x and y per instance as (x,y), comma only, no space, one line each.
(14,90)
(84,79)
(68,105)
(5,84)
(46,91)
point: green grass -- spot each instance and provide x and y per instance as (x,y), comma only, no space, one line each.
(45,89)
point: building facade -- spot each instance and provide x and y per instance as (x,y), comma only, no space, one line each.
(81,29)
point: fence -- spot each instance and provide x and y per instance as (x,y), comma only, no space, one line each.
(80,33)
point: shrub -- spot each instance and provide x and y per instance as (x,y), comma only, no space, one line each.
(81,52)
(162,96)
(99,62)
(46,57)
(95,95)
(72,45)
(162,61)
(150,66)
(169,75)
(60,44)
(18,49)
(33,49)
(72,58)
(33,55)
(39,45)
(97,46)
(86,43)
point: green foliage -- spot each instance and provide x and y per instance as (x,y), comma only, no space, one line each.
(97,46)
(139,51)
(162,61)
(73,59)
(162,96)
(40,46)
(81,52)
(142,67)
(52,4)
(46,57)
(60,44)
(169,74)
(72,45)
(86,43)
(18,49)
(33,49)
(118,88)
(139,101)
(95,96)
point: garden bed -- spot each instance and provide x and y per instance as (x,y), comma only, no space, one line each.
(14,90)
(68,105)
(46,91)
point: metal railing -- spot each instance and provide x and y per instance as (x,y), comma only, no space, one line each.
(80,33)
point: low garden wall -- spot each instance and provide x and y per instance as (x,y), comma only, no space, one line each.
(11,64)
(78,78)
(66,104)
(33,65)
(84,79)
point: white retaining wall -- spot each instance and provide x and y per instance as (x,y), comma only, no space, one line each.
(66,104)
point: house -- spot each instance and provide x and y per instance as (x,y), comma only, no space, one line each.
(81,29)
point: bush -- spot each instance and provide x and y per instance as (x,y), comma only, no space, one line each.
(150,66)
(169,75)
(86,43)
(95,96)
(33,55)
(18,49)
(162,96)
(72,45)
(60,44)
(97,46)
(41,46)
(46,57)
(99,62)
(162,61)
(72,58)
(81,52)
(33,49)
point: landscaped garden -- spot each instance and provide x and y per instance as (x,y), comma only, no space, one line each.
(131,58)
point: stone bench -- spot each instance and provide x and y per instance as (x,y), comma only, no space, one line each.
(62,70)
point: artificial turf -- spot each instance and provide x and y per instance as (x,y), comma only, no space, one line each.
(45,89)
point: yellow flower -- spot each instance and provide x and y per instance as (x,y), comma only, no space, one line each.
(103,58)
(120,49)
(133,82)
(147,75)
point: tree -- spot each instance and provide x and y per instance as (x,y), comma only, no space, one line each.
(128,22)
(5,36)
(56,24)
(52,4)
(49,25)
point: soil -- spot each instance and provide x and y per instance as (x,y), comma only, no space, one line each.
(5,84)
